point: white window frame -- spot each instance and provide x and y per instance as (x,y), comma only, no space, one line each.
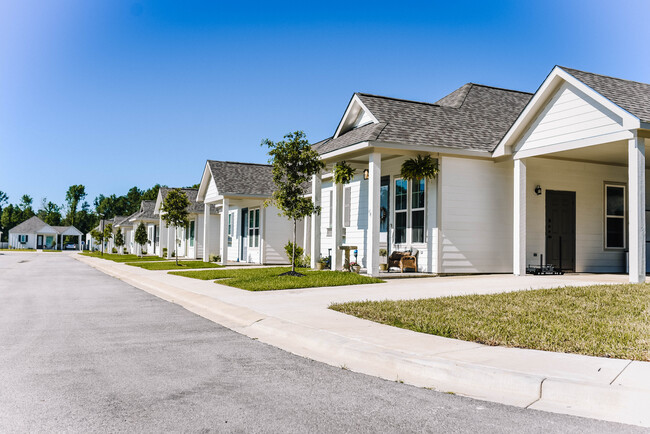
(607,216)
(230,219)
(405,211)
(254,230)
(423,208)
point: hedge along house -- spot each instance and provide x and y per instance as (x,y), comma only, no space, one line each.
(250,231)
(191,242)
(34,233)
(577,157)
(459,222)
(151,222)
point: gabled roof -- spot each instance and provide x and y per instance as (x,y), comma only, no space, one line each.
(32,226)
(473,117)
(242,179)
(632,96)
(146,211)
(67,230)
(191,193)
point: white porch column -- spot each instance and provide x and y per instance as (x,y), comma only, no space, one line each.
(519,220)
(262,246)
(224,232)
(374,185)
(206,232)
(315,220)
(337,226)
(306,237)
(171,240)
(636,188)
(80,249)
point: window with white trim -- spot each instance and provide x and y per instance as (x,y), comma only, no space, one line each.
(417,211)
(615,235)
(229,230)
(254,227)
(401,210)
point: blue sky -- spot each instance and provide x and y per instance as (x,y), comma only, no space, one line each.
(111,93)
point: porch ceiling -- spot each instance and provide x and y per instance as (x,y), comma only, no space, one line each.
(609,153)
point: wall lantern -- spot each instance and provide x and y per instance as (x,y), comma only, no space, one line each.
(365,174)
(538,190)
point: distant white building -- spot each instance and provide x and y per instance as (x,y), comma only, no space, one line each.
(34,233)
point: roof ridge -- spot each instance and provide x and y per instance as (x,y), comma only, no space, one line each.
(602,75)
(240,162)
(501,88)
(398,99)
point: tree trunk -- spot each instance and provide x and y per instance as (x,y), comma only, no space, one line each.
(293,253)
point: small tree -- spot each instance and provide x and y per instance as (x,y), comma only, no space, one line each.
(141,237)
(98,236)
(108,233)
(294,163)
(174,211)
(119,239)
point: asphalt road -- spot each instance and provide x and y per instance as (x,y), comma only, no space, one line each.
(84,352)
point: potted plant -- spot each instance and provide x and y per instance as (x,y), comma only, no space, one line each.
(355,267)
(321,264)
(343,173)
(419,168)
(383,253)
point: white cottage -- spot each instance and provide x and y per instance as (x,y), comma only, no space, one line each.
(34,233)
(250,231)
(146,216)
(192,243)
(556,178)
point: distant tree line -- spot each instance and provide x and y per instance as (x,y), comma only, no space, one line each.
(75,212)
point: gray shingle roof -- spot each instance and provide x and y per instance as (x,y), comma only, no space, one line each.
(473,117)
(191,193)
(146,211)
(29,226)
(242,179)
(62,229)
(632,96)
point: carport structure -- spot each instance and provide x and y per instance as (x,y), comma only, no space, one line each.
(580,175)
(63,231)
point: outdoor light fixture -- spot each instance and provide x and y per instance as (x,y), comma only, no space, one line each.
(365,174)
(538,190)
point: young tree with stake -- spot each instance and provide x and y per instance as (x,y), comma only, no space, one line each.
(174,212)
(141,237)
(294,163)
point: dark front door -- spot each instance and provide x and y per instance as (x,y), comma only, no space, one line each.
(561,229)
(39,241)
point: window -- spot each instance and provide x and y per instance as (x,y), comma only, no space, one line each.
(614,216)
(401,206)
(347,193)
(254,228)
(22,239)
(229,230)
(417,211)
(192,233)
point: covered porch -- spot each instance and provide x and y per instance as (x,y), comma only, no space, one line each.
(377,211)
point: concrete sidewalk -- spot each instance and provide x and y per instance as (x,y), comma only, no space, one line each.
(298,321)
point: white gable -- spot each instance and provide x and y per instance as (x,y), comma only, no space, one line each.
(569,116)
(356,115)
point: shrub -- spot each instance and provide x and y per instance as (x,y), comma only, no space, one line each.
(215,258)
(164,251)
(124,250)
(301,260)
(114,250)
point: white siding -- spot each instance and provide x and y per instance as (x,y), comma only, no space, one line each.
(211,194)
(476,216)
(587,181)
(570,115)
(277,230)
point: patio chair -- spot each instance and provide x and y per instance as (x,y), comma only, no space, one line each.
(406,260)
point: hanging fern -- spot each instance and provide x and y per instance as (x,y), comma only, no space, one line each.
(343,173)
(419,168)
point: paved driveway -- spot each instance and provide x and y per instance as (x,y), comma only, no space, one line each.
(81,351)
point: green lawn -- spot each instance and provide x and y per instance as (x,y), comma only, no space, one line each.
(267,279)
(17,250)
(171,265)
(605,320)
(122,258)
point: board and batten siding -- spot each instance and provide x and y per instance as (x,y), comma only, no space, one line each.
(569,115)
(476,209)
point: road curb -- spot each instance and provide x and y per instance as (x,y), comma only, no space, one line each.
(607,402)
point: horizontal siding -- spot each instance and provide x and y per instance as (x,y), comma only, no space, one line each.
(570,115)
(476,216)
(277,231)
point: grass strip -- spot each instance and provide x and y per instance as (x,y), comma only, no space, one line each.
(123,258)
(171,265)
(269,279)
(601,320)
